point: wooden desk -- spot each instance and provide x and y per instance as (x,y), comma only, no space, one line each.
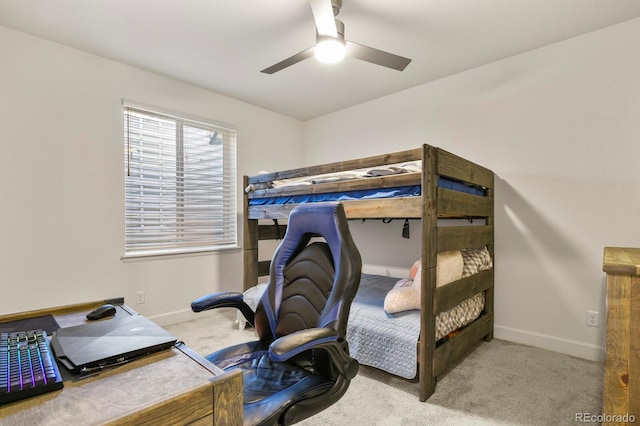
(172,387)
(622,367)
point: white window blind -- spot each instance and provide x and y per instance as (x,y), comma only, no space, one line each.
(180,184)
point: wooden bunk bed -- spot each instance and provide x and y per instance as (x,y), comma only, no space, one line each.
(433,202)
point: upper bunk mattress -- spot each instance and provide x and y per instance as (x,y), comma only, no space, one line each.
(402,191)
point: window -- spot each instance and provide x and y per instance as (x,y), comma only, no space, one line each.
(180,184)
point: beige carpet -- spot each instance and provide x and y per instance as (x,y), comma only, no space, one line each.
(500,383)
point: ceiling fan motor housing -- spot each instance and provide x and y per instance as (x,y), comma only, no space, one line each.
(339,30)
(336,5)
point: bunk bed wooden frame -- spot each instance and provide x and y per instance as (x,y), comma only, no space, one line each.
(433,203)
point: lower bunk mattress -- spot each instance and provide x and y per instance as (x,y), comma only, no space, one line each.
(388,341)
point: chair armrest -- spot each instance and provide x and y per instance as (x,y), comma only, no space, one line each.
(227,299)
(292,344)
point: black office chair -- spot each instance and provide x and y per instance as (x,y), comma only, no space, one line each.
(301,364)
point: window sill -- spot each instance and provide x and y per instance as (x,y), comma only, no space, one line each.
(143,256)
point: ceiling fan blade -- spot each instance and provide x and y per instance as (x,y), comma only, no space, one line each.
(289,61)
(324,18)
(375,56)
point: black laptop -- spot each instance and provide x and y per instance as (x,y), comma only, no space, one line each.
(99,345)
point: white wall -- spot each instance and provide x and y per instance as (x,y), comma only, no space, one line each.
(62,182)
(560,128)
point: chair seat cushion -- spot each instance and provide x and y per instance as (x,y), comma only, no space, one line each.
(269,387)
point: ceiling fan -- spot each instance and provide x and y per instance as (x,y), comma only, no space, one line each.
(331,45)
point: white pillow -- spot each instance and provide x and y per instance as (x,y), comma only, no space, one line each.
(405,295)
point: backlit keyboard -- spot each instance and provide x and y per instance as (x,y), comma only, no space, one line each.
(27,365)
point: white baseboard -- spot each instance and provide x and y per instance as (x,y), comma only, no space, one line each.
(565,346)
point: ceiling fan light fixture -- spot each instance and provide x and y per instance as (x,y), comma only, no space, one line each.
(331,46)
(329,50)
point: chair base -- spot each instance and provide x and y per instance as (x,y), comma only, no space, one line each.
(277,393)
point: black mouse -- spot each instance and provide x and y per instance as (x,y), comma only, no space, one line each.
(102,312)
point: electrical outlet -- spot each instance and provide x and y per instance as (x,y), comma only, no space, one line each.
(140,297)
(592,319)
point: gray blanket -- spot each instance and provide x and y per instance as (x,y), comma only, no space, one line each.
(378,339)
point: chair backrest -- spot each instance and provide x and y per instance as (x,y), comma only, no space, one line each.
(311,285)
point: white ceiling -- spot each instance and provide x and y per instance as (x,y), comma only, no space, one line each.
(223,45)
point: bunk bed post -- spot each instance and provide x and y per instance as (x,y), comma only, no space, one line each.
(250,245)
(426,370)
(488,301)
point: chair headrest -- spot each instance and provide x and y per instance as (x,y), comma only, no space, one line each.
(327,220)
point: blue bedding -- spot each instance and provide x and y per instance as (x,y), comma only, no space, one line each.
(403,191)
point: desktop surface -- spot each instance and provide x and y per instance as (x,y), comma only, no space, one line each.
(171,387)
